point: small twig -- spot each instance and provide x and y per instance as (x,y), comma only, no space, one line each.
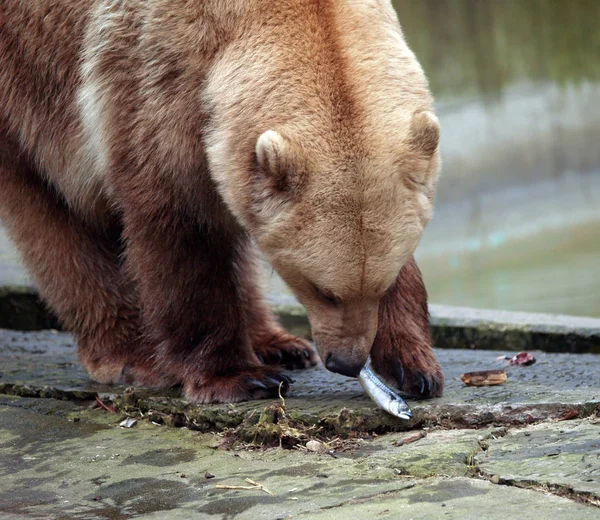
(331,442)
(110,408)
(259,486)
(281,396)
(223,486)
(253,486)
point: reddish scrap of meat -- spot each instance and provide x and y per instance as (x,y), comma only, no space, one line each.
(522,358)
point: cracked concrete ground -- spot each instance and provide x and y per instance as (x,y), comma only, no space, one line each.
(529,448)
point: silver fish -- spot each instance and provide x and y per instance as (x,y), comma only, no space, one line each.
(384,396)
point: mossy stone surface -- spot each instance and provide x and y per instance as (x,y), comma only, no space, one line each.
(61,460)
(563,455)
(44,364)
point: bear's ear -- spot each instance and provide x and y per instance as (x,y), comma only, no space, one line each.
(271,154)
(424,133)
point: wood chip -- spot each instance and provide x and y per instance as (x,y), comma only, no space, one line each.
(484,378)
(522,358)
(571,414)
(410,439)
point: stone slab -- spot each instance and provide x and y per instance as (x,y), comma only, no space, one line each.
(463,327)
(61,460)
(92,467)
(461,499)
(22,309)
(44,363)
(560,456)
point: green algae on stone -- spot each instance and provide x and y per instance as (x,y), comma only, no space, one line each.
(276,426)
(46,392)
(467,499)
(440,452)
(273,427)
(58,468)
(563,457)
(253,422)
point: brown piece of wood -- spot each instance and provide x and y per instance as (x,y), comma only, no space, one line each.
(410,439)
(484,378)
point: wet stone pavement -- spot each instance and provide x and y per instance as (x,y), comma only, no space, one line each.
(529,448)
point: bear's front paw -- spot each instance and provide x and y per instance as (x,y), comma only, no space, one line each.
(419,377)
(254,383)
(286,350)
(131,368)
(140,374)
(421,383)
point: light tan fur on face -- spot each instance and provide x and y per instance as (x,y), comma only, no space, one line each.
(358,147)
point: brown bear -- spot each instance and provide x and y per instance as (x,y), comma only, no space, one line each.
(149,149)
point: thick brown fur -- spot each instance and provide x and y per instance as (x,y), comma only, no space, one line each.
(401,352)
(148,147)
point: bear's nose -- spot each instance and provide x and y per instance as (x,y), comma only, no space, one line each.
(340,366)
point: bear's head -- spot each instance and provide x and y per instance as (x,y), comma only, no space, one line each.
(339,227)
(322,142)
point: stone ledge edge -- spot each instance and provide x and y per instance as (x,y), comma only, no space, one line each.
(178,412)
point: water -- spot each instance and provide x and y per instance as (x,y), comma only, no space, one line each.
(517,84)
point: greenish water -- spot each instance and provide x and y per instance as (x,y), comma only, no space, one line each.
(551,271)
(517,86)
(475,47)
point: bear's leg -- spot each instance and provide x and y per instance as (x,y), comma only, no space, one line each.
(188,268)
(402,350)
(78,271)
(271,342)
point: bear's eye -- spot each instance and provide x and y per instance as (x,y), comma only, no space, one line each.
(325,295)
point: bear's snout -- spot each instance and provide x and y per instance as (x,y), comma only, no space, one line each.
(344,355)
(344,335)
(346,367)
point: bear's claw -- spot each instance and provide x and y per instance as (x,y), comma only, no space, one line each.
(288,351)
(416,384)
(398,372)
(254,383)
(419,382)
(422,385)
